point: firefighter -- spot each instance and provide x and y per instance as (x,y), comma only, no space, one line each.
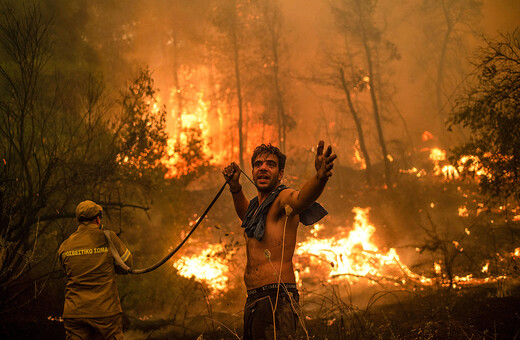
(92,306)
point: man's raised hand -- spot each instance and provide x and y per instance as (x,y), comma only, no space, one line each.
(324,161)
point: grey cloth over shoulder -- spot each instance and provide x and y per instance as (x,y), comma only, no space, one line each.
(254,223)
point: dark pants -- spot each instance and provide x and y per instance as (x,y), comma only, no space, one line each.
(258,315)
(109,328)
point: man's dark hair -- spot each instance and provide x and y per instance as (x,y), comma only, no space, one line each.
(272,150)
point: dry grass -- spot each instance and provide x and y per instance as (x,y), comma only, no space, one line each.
(470,313)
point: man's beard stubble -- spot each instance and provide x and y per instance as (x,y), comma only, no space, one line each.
(272,186)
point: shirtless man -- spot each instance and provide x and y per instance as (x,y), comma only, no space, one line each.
(271,220)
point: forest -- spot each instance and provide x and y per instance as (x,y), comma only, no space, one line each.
(139,105)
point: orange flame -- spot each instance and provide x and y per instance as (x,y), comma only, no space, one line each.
(214,127)
(450,172)
(358,159)
(351,257)
(354,257)
(463,211)
(207,267)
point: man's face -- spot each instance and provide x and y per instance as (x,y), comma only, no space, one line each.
(266,174)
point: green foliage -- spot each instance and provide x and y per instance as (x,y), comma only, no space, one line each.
(141,133)
(489,109)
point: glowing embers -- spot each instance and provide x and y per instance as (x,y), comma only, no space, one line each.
(414,170)
(463,211)
(209,266)
(352,257)
(449,172)
(473,165)
(469,164)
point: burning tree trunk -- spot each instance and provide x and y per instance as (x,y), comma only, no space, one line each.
(178,93)
(364,41)
(279,97)
(236,59)
(359,128)
(272,22)
(375,103)
(226,20)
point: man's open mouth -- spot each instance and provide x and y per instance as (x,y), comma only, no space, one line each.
(263,178)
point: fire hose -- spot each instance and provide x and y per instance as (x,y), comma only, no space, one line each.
(129,270)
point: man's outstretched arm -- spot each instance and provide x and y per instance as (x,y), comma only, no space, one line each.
(232,175)
(312,189)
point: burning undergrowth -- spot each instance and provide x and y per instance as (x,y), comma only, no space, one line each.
(351,255)
(431,233)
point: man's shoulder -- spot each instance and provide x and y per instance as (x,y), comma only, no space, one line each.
(284,193)
(286,190)
(282,197)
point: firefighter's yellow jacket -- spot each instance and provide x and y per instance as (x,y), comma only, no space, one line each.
(91,290)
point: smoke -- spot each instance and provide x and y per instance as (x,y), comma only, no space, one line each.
(175,40)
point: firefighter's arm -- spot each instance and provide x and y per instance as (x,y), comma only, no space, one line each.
(123,252)
(60,259)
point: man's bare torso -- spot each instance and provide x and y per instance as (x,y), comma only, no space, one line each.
(264,257)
